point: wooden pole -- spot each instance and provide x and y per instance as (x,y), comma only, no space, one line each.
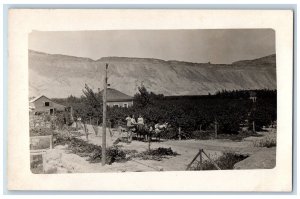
(179,133)
(149,141)
(86,131)
(200,154)
(189,165)
(216,129)
(72,117)
(254,109)
(103,160)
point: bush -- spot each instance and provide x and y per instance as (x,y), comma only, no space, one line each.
(229,109)
(93,152)
(225,162)
(156,154)
(40,131)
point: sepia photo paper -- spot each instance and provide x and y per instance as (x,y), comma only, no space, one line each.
(150,100)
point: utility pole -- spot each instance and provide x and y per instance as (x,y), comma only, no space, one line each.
(254,110)
(216,128)
(103,159)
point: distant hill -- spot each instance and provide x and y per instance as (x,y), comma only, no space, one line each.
(57,75)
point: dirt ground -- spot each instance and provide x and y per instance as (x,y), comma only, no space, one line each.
(59,160)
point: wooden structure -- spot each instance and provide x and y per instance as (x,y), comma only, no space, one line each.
(200,162)
(37,148)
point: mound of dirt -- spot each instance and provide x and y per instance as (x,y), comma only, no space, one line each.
(264,159)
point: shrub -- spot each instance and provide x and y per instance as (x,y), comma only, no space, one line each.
(93,152)
(40,131)
(225,162)
(156,154)
(228,108)
(113,154)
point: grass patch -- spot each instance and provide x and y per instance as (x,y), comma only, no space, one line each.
(267,142)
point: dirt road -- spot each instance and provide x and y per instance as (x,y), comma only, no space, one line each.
(186,149)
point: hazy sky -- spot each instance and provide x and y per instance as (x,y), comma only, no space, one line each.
(216,46)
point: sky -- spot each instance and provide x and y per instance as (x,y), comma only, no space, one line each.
(219,46)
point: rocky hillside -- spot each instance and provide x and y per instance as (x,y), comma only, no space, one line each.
(61,75)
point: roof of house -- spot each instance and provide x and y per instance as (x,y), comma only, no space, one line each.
(113,95)
(38,97)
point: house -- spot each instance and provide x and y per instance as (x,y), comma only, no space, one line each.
(43,104)
(117,98)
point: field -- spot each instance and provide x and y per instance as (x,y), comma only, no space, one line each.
(61,160)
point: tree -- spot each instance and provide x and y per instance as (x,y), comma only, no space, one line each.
(143,98)
(92,103)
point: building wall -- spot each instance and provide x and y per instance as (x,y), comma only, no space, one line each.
(120,104)
(39,105)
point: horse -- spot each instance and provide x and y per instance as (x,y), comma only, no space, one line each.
(143,131)
(147,131)
(159,128)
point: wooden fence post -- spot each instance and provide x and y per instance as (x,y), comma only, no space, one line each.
(179,133)
(253,126)
(51,141)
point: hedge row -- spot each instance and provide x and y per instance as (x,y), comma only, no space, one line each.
(229,110)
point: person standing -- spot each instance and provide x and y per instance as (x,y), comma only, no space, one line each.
(140,122)
(128,120)
(131,128)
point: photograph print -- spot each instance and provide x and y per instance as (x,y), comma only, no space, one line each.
(152,100)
